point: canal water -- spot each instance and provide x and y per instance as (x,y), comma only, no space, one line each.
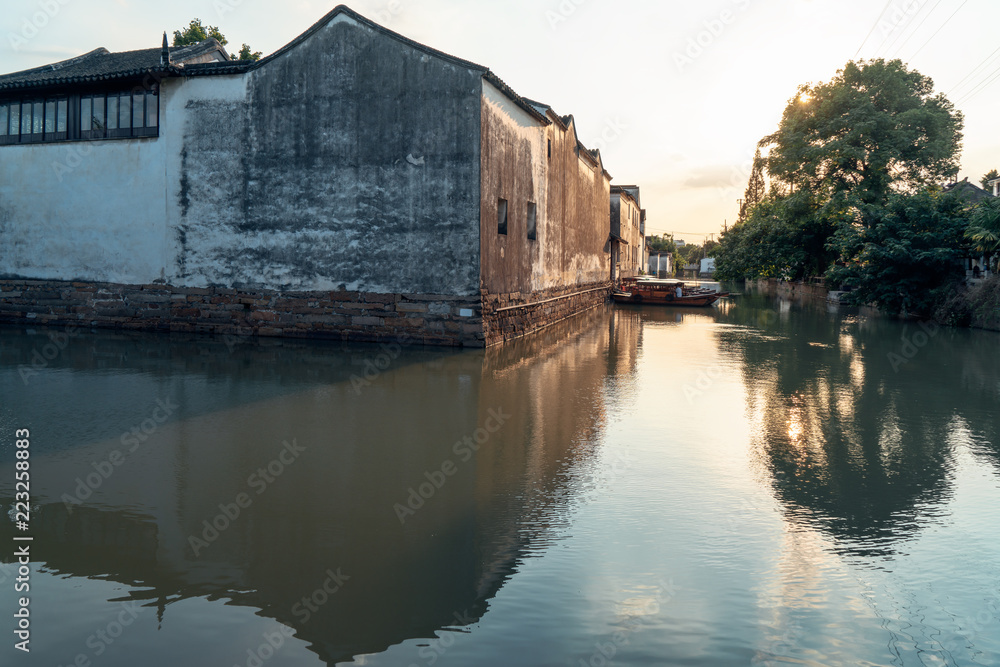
(762,483)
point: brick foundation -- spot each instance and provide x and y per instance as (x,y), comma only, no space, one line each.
(431,319)
(360,316)
(511,315)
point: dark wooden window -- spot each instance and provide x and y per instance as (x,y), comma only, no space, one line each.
(120,114)
(502,216)
(532,221)
(112,107)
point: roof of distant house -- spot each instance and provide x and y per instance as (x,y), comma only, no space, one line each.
(629,191)
(102,65)
(970,192)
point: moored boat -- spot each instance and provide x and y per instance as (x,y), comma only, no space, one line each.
(664,293)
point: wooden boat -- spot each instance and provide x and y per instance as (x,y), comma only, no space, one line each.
(664,293)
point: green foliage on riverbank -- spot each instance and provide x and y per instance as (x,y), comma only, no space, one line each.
(908,258)
(853,195)
(977,306)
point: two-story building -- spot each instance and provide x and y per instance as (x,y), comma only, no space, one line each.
(627,232)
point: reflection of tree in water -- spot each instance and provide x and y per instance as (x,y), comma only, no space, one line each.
(856,426)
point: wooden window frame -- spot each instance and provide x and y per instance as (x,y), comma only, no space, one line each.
(67,111)
(503,216)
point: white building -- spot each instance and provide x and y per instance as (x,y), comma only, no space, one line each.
(354,184)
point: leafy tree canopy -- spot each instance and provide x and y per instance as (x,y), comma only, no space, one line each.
(783,236)
(756,187)
(984,226)
(987,177)
(908,258)
(196,32)
(843,150)
(662,244)
(876,128)
(246,54)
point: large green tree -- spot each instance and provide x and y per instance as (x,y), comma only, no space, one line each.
(842,150)
(876,128)
(196,32)
(908,257)
(756,187)
(782,237)
(987,177)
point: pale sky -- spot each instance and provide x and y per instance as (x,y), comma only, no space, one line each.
(675,94)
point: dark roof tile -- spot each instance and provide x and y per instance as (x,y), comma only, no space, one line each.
(100,65)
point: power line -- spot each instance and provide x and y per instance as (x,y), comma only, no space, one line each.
(905,29)
(981,87)
(937,31)
(958,85)
(874,25)
(919,26)
(667,231)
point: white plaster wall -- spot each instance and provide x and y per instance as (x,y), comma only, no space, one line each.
(348,162)
(84,210)
(105,211)
(177,95)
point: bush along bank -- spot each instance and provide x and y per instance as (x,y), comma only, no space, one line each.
(977,306)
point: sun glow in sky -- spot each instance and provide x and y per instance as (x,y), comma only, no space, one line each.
(675,94)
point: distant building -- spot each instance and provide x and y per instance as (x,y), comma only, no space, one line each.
(626,232)
(707,266)
(995,184)
(354,184)
(680,243)
(970,192)
(660,264)
(644,253)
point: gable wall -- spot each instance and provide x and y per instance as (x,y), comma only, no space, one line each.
(363,173)
(567,261)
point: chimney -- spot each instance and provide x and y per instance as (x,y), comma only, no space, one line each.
(165,53)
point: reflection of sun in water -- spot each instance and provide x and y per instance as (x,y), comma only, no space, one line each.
(796,427)
(643,605)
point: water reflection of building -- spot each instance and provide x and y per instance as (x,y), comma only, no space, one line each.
(852,422)
(387,490)
(625,339)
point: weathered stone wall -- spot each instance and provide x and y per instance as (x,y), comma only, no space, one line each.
(527,162)
(625,219)
(352,163)
(359,316)
(795,289)
(512,314)
(348,162)
(565,268)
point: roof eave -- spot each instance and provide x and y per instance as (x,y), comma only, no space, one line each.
(158,72)
(515,98)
